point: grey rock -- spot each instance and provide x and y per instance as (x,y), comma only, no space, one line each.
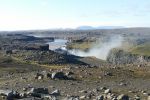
(107,91)
(58,75)
(69,73)
(48,97)
(83,91)
(123,97)
(82,97)
(103,88)
(24,89)
(39,76)
(23,95)
(6,92)
(100,97)
(9,94)
(39,90)
(110,96)
(72,98)
(56,93)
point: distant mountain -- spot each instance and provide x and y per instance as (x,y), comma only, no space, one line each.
(85,28)
(99,27)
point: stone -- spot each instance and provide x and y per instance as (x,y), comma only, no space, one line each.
(108,74)
(58,75)
(69,73)
(83,91)
(72,98)
(109,96)
(82,97)
(95,90)
(107,91)
(39,90)
(122,84)
(123,97)
(9,94)
(39,76)
(148,98)
(23,95)
(100,97)
(6,92)
(24,89)
(145,93)
(56,92)
(114,98)
(103,88)
(90,94)
(48,97)
(137,98)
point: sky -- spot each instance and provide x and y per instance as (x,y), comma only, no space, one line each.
(55,14)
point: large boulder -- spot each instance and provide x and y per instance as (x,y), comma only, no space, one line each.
(56,93)
(58,75)
(39,90)
(9,94)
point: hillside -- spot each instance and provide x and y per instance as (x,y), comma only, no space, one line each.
(143,49)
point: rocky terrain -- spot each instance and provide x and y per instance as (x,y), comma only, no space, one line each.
(30,71)
(122,57)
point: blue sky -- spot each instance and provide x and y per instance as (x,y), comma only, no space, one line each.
(49,14)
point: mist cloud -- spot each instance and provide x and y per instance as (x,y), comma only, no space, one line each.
(101,50)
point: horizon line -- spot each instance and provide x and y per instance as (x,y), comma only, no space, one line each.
(54,29)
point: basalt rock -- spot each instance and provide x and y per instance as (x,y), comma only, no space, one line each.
(58,75)
(121,57)
(123,97)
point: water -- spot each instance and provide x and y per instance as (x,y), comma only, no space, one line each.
(58,43)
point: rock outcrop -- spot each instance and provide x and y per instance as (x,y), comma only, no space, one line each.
(121,57)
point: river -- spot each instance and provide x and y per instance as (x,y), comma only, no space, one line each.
(57,43)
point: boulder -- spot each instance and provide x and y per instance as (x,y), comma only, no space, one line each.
(82,97)
(24,89)
(9,94)
(137,98)
(58,75)
(69,73)
(39,90)
(100,97)
(107,91)
(56,93)
(23,95)
(6,92)
(39,76)
(110,96)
